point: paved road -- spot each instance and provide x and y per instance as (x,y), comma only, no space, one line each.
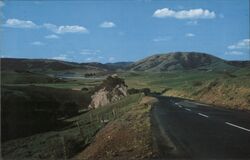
(201,131)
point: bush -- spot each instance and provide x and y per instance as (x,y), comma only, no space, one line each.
(84,89)
(146,91)
(197,83)
(89,74)
(110,83)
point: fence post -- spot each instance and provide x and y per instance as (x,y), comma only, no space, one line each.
(90,117)
(114,114)
(80,131)
(64,148)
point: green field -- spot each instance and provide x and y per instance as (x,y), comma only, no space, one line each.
(231,88)
(65,142)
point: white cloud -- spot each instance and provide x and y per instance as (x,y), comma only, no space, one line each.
(16,23)
(71,29)
(160,39)
(189,35)
(65,29)
(185,14)
(243,44)
(111,59)
(52,36)
(89,52)
(60,57)
(107,24)
(37,43)
(1,4)
(234,53)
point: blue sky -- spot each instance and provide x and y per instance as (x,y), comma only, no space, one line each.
(111,31)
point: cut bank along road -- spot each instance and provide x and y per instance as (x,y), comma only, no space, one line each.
(200,131)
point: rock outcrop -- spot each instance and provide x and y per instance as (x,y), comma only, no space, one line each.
(112,89)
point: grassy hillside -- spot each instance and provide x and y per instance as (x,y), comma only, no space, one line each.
(26,110)
(180,61)
(26,77)
(65,141)
(231,89)
(50,66)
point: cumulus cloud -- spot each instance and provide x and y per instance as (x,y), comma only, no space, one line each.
(65,29)
(185,14)
(71,29)
(242,44)
(61,57)
(52,36)
(107,24)
(189,35)
(37,43)
(16,23)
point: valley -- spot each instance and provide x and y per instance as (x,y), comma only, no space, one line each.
(50,99)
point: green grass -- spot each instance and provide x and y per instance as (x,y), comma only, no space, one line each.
(11,77)
(69,84)
(66,142)
(180,79)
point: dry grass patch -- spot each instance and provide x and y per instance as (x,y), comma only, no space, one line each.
(128,137)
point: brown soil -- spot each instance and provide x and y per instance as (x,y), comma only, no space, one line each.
(128,137)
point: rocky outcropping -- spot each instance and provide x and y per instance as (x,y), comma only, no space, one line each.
(111,90)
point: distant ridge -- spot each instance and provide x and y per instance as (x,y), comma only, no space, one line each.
(180,61)
(46,64)
(158,62)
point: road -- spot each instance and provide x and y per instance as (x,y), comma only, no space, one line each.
(199,131)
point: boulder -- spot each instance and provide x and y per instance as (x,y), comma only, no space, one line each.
(112,89)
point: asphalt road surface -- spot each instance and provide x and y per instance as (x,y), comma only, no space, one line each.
(203,132)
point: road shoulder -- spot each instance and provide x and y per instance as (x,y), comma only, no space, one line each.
(128,137)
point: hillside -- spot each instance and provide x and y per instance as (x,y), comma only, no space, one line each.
(180,61)
(44,65)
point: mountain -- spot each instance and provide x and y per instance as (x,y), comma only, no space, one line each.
(17,64)
(239,63)
(180,61)
(158,63)
(118,65)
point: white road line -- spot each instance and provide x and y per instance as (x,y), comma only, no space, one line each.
(187,109)
(203,115)
(231,124)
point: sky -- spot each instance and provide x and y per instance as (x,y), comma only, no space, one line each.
(123,30)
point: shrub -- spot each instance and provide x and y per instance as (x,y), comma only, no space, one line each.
(146,91)
(84,89)
(197,83)
(110,83)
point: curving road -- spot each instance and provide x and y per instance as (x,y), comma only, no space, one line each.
(199,131)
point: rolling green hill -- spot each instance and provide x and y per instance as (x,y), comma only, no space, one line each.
(180,61)
(48,65)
